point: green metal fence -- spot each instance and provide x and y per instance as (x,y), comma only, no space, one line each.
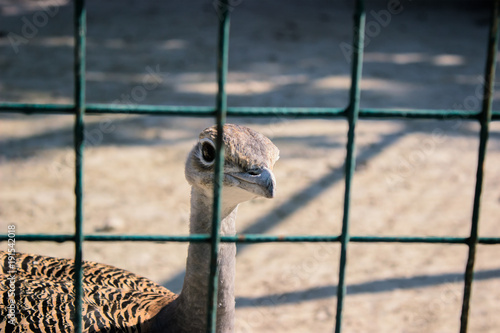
(351,113)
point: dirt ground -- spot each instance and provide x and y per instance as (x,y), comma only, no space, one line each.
(412,177)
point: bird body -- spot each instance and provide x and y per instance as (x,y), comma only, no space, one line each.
(116,300)
(44,296)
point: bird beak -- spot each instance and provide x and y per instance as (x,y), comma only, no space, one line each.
(259,181)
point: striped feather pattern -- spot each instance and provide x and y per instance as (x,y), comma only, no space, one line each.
(114,300)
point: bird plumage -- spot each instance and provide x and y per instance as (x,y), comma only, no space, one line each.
(116,300)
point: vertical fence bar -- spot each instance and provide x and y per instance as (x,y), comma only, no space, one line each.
(79,96)
(485,118)
(352,117)
(221,110)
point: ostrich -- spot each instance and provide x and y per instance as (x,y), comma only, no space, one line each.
(116,300)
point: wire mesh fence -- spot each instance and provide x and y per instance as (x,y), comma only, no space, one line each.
(221,110)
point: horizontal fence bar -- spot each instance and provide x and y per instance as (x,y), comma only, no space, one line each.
(37,108)
(206,111)
(421,114)
(186,111)
(252,238)
(292,112)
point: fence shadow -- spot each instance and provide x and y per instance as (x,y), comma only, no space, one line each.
(375,286)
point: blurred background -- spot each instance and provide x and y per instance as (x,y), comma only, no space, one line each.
(413,177)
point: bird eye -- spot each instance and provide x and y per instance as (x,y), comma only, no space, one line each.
(208,152)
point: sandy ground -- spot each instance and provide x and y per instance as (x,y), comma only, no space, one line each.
(412,177)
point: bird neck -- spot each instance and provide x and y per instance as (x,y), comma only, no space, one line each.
(191,309)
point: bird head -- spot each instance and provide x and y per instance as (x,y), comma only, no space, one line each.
(248,163)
